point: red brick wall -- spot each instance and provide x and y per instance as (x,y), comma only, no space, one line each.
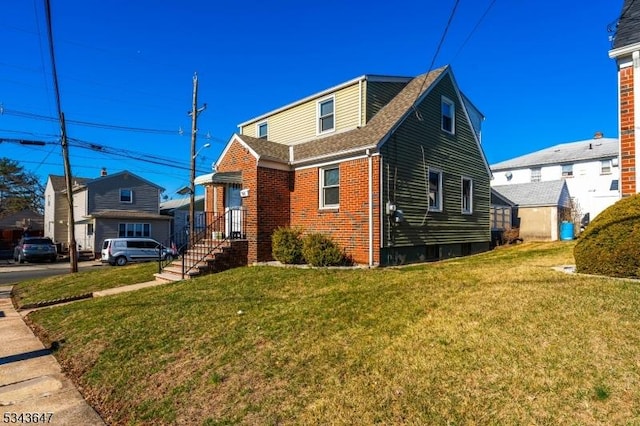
(273,207)
(238,158)
(627,134)
(349,224)
(283,198)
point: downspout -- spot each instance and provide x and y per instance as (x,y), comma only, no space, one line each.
(370,160)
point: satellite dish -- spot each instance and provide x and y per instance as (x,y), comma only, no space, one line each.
(509,175)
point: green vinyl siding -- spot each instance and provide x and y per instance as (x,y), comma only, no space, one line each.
(454,155)
(378,95)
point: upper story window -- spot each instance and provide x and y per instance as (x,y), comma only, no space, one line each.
(330,187)
(126,195)
(605,167)
(262,130)
(448,112)
(326,115)
(467,195)
(536,174)
(567,170)
(435,191)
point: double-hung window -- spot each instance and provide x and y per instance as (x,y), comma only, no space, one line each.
(448,115)
(605,167)
(262,130)
(467,196)
(567,170)
(435,191)
(326,115)
(330,187)
(126,195)
(536,174)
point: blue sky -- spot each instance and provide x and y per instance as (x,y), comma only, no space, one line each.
(539,71)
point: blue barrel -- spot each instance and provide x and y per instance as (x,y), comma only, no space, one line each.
(566,231)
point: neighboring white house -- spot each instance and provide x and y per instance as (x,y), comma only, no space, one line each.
(590,168)
(110,206)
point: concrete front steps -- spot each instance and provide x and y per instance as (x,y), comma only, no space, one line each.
(226,255)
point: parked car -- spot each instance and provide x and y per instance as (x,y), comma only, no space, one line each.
(120,251)
(35,248)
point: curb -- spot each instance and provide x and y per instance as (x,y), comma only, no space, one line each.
(46,303)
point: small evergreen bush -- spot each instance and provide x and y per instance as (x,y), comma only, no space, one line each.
(320,250)
(610,245)
(286,245)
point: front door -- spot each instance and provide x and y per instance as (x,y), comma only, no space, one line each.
(233,211)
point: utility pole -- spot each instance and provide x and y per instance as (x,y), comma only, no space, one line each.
(194,129)
(65,145)
(67,173)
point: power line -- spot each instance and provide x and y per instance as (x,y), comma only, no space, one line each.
(484,15)
(166,132)
(435,55)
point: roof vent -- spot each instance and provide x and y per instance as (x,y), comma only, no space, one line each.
(103,172)
(598,135)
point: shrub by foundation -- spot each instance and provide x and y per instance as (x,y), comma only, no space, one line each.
(611,243)
(320,250)
(286,245)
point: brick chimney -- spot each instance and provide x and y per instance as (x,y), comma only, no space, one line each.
(598,135)
(626,52)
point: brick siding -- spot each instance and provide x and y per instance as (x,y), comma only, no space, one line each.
(287,198)
(627,134)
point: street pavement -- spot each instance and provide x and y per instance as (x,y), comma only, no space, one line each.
(32,386)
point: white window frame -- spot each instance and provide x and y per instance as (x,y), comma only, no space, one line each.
(469,208)
(536,174)
(258,126)
(438,206)
(130,195)
(605,167)
(131,226)
(446,101)
(322,186)
(567,170)
(319,117)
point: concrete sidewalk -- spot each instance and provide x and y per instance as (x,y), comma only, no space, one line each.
(31,380)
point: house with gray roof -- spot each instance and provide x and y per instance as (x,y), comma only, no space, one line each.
(391,168)
(109,206)
(537,208)
(590,168)
(626,52)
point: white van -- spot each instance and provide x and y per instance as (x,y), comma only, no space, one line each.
(120,251)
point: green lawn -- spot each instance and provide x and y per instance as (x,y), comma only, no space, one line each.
(498,338)
(83,282)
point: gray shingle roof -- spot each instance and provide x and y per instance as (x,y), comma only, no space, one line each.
(572,152)
(267,149)
(533,194)
(628,32)
(59,183)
